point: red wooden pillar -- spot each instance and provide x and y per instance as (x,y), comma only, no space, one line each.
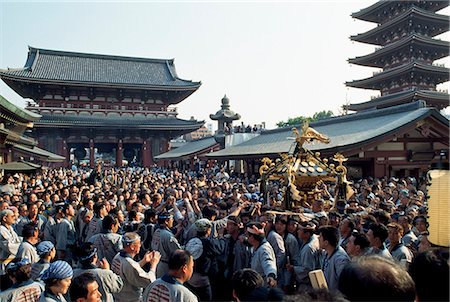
(119,153)
(65,153)
(145,150)
(91,153)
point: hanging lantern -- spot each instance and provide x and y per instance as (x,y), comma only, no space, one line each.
(438,211)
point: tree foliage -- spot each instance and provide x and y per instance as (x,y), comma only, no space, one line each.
(300,119)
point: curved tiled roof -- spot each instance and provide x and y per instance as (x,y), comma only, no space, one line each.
(188,149)
(24,114)
(56,120)
(371,13)
(81,68)
(430,43)
(345,132)
(414,66)
(419,14)
(433,97)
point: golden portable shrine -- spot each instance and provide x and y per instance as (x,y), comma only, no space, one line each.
(301,173)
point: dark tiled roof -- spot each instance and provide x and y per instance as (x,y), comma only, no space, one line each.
(375,81)
(402,96)
(425,16)
(40,153)
(188,149)
(345,132)
(123,122)
(24,114)
(372,59)
(71,67)
(373,13)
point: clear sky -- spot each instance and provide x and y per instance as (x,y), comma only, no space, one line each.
(273,59)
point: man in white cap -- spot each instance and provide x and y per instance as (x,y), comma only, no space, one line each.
(164,242)
(9,240)
(133,275)
(204,250)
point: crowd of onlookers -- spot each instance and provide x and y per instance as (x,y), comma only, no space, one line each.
(140,234)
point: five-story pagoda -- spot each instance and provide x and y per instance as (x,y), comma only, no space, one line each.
(405,33)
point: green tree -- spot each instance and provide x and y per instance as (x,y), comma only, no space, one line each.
(300,119)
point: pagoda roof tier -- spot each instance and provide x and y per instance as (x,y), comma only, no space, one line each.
(375,82)
(436,99)
(438,49)
(93,70)
(417,16)
(94,121)
(378,12)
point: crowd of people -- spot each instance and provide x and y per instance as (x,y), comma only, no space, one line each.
(140,234)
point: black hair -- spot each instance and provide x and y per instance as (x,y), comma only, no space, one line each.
(132,215)
(78,287)
(209,211)
(257,237)
(330,233)
(85,253)
(148,215)
(376,278)
(29,229)
(108,222)
(178,258)
(22,273)
(379,231)
(245,281)
(97,207)
(361,240)
(430,272)
(382,216)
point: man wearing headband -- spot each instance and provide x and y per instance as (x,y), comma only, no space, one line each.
(307,258)
(47,252)
(57,279)
(9,240)
(263,258)
(108,282)
(133,275)
(164,241)
(23,288)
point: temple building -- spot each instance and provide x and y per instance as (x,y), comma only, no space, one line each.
(407,48)
(18,151)
(102,107)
